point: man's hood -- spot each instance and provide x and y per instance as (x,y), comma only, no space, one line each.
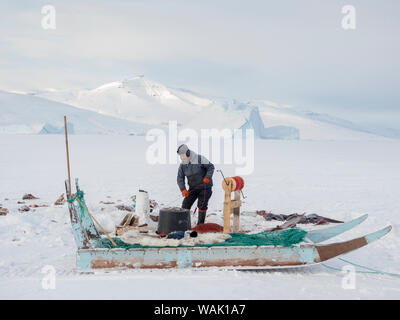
(193,158)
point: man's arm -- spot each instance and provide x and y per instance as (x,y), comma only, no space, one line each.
(181,178)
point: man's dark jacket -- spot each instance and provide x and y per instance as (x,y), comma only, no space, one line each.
(195,170)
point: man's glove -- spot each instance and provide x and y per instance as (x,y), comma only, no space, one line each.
(206,180)
(185,193)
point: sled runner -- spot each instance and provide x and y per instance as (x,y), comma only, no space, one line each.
(317,236)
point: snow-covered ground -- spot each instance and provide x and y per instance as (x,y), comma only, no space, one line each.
(337,179)
(28,114)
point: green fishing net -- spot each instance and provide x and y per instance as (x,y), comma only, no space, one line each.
(286,238)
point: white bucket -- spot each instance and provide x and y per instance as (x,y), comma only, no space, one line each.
(142,206)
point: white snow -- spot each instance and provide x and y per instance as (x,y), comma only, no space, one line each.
(136,99)
(341,180)
(27,114)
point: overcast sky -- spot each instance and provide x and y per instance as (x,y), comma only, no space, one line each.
(292,52)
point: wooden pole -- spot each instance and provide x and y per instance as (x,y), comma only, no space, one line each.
(66,145)
(236,212)
(69,185)
(231,206)
(227,213)
(227,186)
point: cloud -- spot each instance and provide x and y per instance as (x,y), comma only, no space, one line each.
(292,52)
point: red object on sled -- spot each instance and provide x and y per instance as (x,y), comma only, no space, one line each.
(208,227)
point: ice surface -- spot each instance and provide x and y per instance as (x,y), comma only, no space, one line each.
(341,180)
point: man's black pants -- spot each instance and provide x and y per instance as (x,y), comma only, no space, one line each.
(201,195)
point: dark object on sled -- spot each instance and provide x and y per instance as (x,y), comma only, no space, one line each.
(181,234)
(310,218)
(173,219)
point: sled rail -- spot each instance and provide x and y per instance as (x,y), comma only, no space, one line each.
(235,256)
(333,250)
(317,236)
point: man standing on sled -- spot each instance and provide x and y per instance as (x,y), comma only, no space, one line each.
(198,171)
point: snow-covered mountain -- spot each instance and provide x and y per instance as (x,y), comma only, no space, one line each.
(136,99)
(24,113)
(311,125)
(236,115)
(141,100)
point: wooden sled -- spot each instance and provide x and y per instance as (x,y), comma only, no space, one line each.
(90,257)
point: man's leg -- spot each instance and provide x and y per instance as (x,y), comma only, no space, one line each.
(190,199)
(202,204)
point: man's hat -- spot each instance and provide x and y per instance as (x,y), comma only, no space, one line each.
(182,149)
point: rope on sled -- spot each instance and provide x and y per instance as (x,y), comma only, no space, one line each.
(78,196)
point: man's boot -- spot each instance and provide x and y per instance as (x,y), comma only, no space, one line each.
(202,216)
